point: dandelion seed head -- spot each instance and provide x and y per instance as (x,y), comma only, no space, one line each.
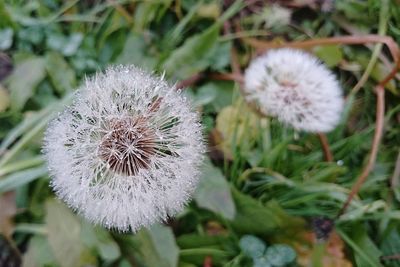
(126,153)
(296,88)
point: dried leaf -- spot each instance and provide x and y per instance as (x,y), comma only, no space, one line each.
(7,211)
(331,254)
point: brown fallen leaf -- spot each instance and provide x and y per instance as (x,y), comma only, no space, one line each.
(8,210)
(333,250)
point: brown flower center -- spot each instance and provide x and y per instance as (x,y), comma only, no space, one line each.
(129,145)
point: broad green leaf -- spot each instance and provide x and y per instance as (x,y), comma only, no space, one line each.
(158,246)
(213,192)
(205,94)
(365,251)
(330,54)
(280,255)
(6,20)
(209,10)
(191,57)
(68,46)
(64,235)
(39,253)
(60,73)
(221,57)
(238,126)
(379,72)
(252,246)
(33,72)
(101,240)
(261,262)
(72,44)
(6,38)
(135,52)
(252,217)
(390,243)
(4,99)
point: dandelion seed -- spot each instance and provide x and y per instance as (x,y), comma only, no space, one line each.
(296,88)
(126,153)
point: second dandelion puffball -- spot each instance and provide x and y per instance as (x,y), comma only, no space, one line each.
(126,153)
(296,88)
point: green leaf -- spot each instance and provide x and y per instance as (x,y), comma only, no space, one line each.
(191,57)
(72,44)
(101,240)
(365,251)
(280,255)
(330,54)
(135,52)
(23,81)
(252,246)
(213,192)
(17,179)
(68,46)
(6,20)
(60,73)
(390,242)
(158,246)
(252,217)
(39,253)
(221,56)
(4,99)
(261,262)
(6,38)
(205,94)
(64,235)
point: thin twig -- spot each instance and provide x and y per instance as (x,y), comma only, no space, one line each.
(235,65)
(380,116)
(352,39)
(325,147)
(391,257)
(189,81)
(207,262)
(226,77)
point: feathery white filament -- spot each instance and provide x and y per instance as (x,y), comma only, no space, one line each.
(296,88)
(126,153)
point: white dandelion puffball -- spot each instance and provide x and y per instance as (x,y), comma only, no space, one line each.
(126,153)
(296,88)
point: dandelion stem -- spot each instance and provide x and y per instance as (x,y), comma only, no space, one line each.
(325,147)
(380,116)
